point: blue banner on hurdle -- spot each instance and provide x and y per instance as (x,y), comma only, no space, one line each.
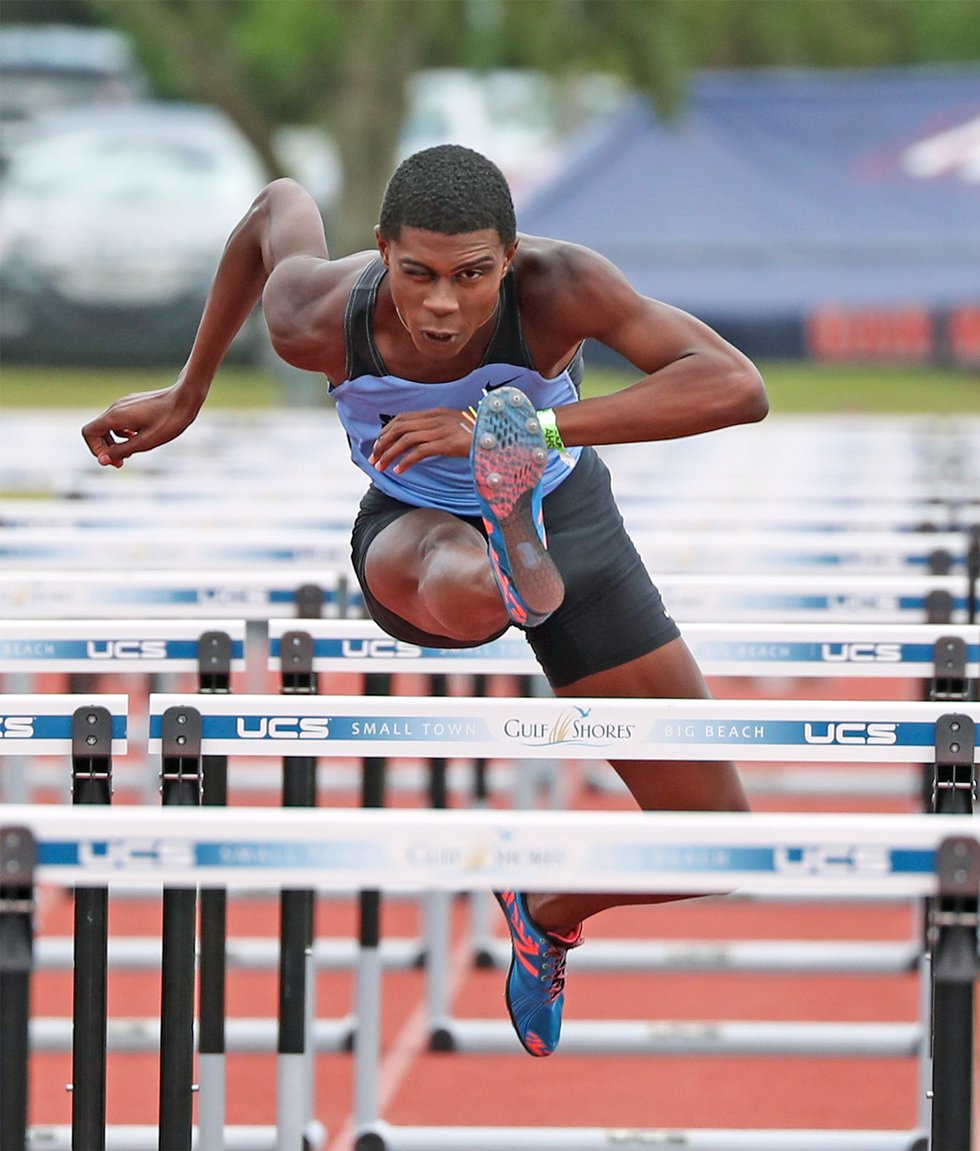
(747,648)
(42,724)
(108,645)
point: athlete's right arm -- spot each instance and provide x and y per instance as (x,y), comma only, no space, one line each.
(282,233)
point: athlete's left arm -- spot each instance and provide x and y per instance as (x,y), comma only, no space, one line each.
(694,381)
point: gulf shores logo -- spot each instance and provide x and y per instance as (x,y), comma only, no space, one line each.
(571,727)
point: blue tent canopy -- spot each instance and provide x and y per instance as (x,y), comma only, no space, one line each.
(776,193)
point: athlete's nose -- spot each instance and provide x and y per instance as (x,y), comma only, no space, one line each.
(441,299)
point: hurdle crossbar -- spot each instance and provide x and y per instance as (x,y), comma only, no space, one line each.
(145,645)
(679,551)
(253,595)
(825,731)
(832,649)
(330,849)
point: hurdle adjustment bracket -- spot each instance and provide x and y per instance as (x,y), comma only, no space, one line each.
(949,668)
(954,787)
(296,659)
(310,598)
(214,661)
(91,749)
(180,741)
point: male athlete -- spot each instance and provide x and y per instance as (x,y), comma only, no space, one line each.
(453,353)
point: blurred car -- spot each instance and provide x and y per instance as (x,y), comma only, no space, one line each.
(50,66)
(112,222)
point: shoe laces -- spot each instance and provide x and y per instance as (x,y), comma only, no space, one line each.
(553,971)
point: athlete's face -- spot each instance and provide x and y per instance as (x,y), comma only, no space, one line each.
(445,288)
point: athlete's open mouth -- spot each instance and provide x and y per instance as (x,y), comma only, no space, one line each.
(439,337)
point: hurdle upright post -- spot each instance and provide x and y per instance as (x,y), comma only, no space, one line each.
(180,786)
(18,858)
(91,783)
(438,904)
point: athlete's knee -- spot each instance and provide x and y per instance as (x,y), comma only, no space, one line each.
(467,609)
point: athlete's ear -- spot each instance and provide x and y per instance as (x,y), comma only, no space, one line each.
(509,254)
(382,244)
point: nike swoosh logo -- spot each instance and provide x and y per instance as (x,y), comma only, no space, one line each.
(502,384)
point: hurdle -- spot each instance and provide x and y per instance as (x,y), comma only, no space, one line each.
(944,657)
(212,649)
(824,731)
(860,856)
(87,731)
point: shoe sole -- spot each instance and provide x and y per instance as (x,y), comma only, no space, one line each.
(509,458)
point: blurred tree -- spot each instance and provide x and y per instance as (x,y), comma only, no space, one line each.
(343,64)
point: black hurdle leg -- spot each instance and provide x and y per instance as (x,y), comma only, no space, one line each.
(18,858)
(953,939)
(91,783)
(953,925)
(180,786)
(296,910)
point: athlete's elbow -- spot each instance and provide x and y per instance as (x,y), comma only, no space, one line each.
(747,396)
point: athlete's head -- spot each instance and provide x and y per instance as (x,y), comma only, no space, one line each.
(448,189)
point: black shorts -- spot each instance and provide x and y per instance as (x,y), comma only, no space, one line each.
(612,612)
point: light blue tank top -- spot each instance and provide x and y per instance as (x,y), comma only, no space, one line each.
(371,396)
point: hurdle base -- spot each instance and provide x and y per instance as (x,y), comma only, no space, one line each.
(137,1137)
(381,1136)
(668,1037)
(765,956)
(258,1035)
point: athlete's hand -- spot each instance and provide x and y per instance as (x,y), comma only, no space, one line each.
(137,423)
(413,436)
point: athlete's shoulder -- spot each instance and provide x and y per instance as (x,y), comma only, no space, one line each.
(564,285)
(550,266)
(305,301)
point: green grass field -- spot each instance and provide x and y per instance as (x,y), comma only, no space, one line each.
(793,387)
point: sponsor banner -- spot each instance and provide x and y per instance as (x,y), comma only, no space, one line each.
(881,855)
(42,724)
(749,730)
(851,649)
(143,645)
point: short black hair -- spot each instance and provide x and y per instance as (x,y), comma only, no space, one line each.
(448,189)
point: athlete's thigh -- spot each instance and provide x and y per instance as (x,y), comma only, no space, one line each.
(668,672)
(394,557)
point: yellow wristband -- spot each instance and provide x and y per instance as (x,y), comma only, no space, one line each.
(552,436)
